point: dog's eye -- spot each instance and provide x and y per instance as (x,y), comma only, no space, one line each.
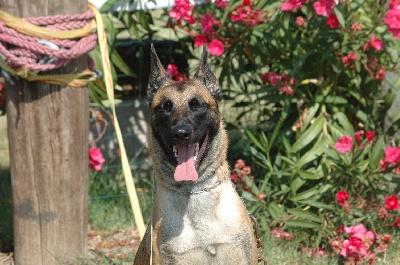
(194,104)
(166,106)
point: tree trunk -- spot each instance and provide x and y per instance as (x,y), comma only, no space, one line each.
(48,138)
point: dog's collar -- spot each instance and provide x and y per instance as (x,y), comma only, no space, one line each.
(190,192)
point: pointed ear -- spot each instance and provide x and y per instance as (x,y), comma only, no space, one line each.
(158,75)
(206,77)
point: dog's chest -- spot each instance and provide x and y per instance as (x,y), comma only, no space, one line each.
(202,223)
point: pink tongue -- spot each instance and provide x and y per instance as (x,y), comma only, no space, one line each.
(185,169)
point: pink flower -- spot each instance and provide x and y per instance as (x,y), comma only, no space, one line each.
(221,4)
(216,47)
(209,23)
(288,90)
(200,40)
(324,7)
(356,27)
(344,144)
(182,10)
(96,159)
(300,21)
(172,71)
(392,154)
(290,5)
(342,196)
(271,77)
(332,21)
(248,14)
(240,164)
(278,233)
(392,18)
(392,203)
(384,164)
(349,59)
(375,43)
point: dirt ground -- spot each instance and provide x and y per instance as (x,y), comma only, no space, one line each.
(116,247)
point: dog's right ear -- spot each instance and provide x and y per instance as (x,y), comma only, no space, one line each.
(158,75)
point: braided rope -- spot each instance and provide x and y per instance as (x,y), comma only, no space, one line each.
(27,52)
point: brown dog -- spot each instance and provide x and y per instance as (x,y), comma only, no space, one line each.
(198,218)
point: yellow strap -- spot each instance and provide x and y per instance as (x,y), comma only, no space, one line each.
(130,185)
(30,29)
(74,80)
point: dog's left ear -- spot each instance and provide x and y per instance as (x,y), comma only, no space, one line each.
(206,77)
(158,75)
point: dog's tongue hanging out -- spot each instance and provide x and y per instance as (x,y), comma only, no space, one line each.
(185,169)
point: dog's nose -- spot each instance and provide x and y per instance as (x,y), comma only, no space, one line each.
(182,132)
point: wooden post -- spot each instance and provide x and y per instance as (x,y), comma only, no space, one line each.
(48,138)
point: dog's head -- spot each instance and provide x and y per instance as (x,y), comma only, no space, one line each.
(184,116)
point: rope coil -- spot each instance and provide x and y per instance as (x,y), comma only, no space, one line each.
(25,51)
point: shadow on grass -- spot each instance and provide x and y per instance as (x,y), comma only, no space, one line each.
(6,229)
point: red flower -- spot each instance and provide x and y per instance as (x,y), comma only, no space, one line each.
(216,47)
(200,40)
(392,154)
(384,164)
(96,158)
(246,2)
(359,136)
(332,21)
(342,196)
(234,177)
(380,73)
(392,203)
(271,78)
(209,23)
(344,144)
(221,4)
(370,136)
(172,71)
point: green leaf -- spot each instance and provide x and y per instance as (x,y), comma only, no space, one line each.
(340,17)
(306,215)
(344,121)
(299,239)
(297,184)
(318,205)
(377,153)
(255,140)
(330,99)
(310,175)
(302,224)
(275,210)
(311,155)
(304,195)
(310,134)
(120,64)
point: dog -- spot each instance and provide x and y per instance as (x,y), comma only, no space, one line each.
(197,216)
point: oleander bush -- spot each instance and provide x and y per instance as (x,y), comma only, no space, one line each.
(314,85)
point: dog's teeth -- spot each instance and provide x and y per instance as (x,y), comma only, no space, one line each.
(175,152)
